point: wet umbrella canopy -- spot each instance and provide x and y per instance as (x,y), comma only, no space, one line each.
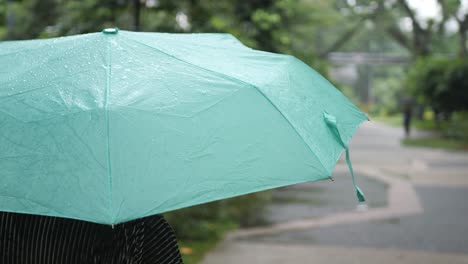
(113,126)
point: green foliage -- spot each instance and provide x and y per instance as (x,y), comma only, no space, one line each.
(440,143)
(211,220)
(266,21)
(440,83)
(3,17)
(196,250)
(388,89)
(85,16)
(390,120)
(199,228)
(283,26)
(457,127)
(28,18)
(200,223)
(348,91)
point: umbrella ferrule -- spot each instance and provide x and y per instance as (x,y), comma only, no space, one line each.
(110,30)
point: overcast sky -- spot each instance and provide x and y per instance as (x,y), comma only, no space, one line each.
(425,8)
(430,9)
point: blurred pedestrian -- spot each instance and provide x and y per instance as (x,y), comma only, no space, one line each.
(407,115)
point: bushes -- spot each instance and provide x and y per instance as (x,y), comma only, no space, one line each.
(441,84)
(457,127)
(199,228)
(210,221)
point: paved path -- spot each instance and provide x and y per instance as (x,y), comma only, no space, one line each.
(418,211)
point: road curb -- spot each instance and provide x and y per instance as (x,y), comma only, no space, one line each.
(401,196)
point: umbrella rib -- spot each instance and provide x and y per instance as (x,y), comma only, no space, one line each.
(106,110)
(241,82)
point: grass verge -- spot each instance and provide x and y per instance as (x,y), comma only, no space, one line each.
(201,236)
(200,228)
(193,251)
(394,121)
(397,121)
(439,143)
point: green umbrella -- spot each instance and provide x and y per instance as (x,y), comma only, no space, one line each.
(113,126)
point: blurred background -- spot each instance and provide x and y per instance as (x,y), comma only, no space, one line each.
(401,61)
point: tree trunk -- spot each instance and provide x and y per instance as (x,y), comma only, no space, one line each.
(421,37)
(422,41)
(136,15)
(463,49)
(462,31)
(10,19)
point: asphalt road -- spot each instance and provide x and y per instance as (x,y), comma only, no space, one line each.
(442,227)
(317,222)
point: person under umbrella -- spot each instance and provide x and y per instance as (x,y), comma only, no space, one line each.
(33,239)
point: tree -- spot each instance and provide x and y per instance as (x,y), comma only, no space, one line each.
(440,83)
(421,35)
(452,9)
(425,36)
(136,14)
(84,16)
(3,20)
(283,26)
(27,19)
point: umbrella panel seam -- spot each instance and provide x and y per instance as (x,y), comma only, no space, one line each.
(106,110)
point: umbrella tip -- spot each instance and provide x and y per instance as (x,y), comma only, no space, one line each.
(110,30)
